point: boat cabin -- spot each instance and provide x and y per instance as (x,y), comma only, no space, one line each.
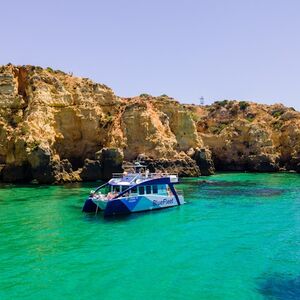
(137,184)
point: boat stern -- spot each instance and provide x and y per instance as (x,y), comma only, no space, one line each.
(89,206)
(100,203)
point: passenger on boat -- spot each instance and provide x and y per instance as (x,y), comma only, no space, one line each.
(147,173)
(169,192)
(111,195)
(158,174)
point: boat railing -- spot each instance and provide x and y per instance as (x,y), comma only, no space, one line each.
(117,175)
(145,175)
(157,175)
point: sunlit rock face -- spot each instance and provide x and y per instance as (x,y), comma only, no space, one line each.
(65,116)
(55,127)
(245,136)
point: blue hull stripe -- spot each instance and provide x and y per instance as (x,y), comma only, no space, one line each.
(116,207)
(174,193)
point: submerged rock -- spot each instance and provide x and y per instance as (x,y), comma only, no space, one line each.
(280,286)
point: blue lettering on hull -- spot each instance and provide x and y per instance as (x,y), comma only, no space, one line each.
(162,202)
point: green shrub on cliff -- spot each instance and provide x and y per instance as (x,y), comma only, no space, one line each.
(163,97)
(277,113)
(222,103)
(250,117)
(195,117)
(49,69)
(243,105)
(218,128)
(145,95)
(277,125)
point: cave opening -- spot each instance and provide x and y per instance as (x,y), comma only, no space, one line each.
(76,162)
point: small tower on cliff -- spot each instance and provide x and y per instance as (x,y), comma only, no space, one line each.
(201,100)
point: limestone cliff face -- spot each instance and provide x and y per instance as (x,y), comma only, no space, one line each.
(48,117)
(249,136)
(55,127)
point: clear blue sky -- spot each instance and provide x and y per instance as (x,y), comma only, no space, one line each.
(219,49)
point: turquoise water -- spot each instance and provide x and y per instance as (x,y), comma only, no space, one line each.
(238,237)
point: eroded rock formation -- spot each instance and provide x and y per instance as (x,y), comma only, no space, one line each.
(245,136)
(55,127)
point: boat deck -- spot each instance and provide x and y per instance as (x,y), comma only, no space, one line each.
(134,178)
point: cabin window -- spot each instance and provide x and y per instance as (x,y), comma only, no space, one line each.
(148,189)
(124,187)
(154,189)
(134,190)
(117,189)
(162,189)
(141,190)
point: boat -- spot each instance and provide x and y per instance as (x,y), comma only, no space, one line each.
(135,191)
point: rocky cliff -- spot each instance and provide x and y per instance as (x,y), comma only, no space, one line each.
(55,127)
(245,136)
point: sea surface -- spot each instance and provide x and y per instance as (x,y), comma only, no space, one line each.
(238,237)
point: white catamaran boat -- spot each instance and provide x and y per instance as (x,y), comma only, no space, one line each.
(134,192)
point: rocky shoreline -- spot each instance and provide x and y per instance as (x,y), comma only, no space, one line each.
(57,128)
